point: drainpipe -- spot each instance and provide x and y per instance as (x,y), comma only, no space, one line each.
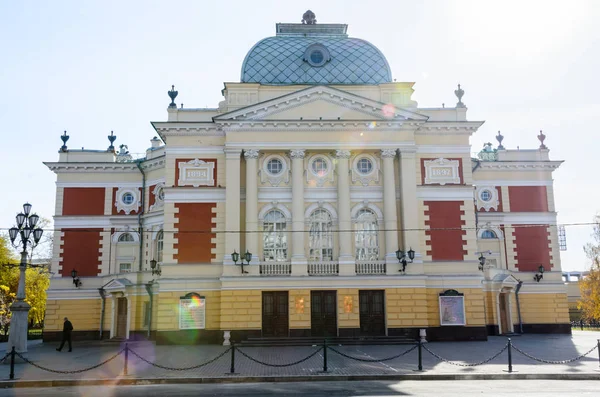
(519,285)
(141,228)
(151,295)
(101,291)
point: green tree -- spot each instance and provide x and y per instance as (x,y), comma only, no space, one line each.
(590,285)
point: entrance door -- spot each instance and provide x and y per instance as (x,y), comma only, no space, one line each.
(121,318)
(275,313)
(323,314)
(372,313)
(505,320)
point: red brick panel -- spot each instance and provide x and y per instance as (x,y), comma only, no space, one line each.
(446,234)
(194,224)
(114,200)
(83,201)
(81,251)
(460,171)
(532,247)
(528,198)
(177,161)
(151,197)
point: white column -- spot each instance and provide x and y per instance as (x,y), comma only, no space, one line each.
(232,208)
(410,208)
(251,156)
(346,257)
(390,217)
(298,229)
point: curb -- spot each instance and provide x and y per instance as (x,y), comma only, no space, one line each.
(279,379)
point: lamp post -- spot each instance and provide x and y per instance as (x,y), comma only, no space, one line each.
(235,257)
(539,275)
(24,234)
(76,281)
(401,256)
(155,266)
(481,262)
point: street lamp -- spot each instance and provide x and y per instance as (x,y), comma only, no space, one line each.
(76,279)
(539,275)
(155,266)
(401,256)
(481,262)
(235,257)
(25,233)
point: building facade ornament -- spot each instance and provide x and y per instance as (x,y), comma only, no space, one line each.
(159,196)
(487,198)
(441,171)
(127,200)
(343,154)
(251,153)
(297,153)
(196,173)
(388,153)
(275,178)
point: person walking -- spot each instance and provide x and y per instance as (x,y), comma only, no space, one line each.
(66,334)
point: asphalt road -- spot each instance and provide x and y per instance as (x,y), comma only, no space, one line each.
(508,388)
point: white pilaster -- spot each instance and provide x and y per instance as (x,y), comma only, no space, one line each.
(390,217)
(410,208)
(346,257)
(232,209)
(251,156)
(298,255)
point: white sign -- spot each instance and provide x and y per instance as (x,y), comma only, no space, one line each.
(452,310)
(192,313)
(441,171)
(196,173)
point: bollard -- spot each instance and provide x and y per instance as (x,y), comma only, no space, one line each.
(599,352)
(324,355)
(420,356)
(125,369)
(232,369)
(12,363)
(509,356)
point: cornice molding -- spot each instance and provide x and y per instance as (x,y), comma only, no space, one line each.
(519,165)
(92,167)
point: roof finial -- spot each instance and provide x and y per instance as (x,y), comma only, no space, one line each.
(459,94)
(111,139)
(172,95)
(64,137)
(309,18)
(500,138)
(542,137)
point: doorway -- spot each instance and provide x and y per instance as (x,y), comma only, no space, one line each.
(506,325)
(372,313)
(121,328)
(275,319)
(323,313)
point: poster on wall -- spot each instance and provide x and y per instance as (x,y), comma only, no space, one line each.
(192,312)
(452,308)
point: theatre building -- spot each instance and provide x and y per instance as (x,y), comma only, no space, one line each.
(365,215)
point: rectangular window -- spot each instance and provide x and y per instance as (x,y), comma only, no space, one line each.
(124,267)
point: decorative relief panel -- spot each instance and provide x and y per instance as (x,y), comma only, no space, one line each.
(159,196)
(365,169)
(319,169)
(441,171)
(487,198)
(275,169)
(196,173)
(127,200)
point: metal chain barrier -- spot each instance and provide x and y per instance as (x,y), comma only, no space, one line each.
(176,368)
(77,371)
(279,365)
(467,364)
(372,360)
(555,362)
(5,357)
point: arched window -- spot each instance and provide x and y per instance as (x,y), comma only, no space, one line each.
(487,234)
(126,238)
(320,236)
(366,237)
(159,246)
(274,236)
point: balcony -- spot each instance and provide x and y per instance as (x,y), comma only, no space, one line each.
(275,268)
(323,268)
(370,267)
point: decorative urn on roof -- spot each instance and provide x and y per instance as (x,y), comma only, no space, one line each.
(309,18)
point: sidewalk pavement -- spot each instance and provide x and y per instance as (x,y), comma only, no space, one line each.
(85,355)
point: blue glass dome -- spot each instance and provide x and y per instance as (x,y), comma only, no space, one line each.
(315,59)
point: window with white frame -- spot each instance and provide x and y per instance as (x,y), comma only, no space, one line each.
(488,234)
(274,236)
(366,236)
(124,267)
(159,246)
(320,236)
(126,238)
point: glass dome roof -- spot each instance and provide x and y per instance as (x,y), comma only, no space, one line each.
(283,59)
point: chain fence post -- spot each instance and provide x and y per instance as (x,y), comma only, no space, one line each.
(126,364)
(509,355)
(324,355)
(232,369)
(599,352)
(420,356)
(12,363)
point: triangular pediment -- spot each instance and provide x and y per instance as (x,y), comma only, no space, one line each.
(117,284)
(321,103)
(505,280)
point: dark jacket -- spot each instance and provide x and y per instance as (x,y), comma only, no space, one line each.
(67,327)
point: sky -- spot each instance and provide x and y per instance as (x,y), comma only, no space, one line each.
(92,67)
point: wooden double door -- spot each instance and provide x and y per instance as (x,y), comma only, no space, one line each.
(121,328)
(275,314)
(372,313)
(323,313)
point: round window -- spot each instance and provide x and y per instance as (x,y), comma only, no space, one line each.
(316,57)
(274,166)
(319,167)
(364,166)
(486,195)
(127,198)
(161,194)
